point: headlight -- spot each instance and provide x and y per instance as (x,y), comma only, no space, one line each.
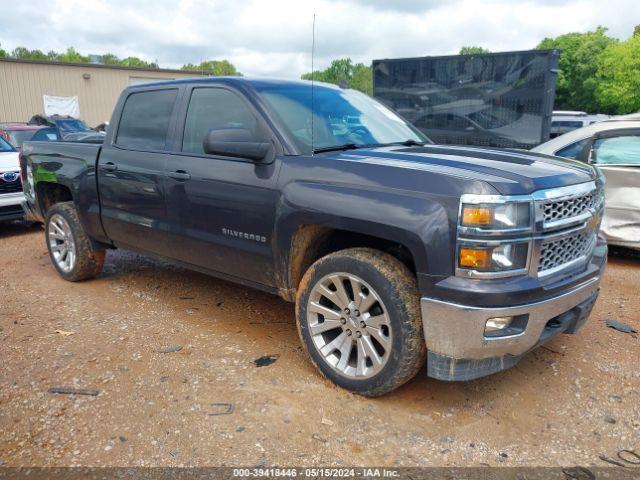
(501,258)
(505,216)
(487,225)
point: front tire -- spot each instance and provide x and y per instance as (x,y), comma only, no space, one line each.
(69,247)
(358,315)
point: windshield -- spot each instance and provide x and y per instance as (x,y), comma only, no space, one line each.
(68,126)
(5,146)
(341,117)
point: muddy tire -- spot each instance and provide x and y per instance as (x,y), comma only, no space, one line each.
(358,316)
(69,247)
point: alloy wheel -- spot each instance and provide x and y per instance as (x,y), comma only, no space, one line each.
(349,325)
(61,243)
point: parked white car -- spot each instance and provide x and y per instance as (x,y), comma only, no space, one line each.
(614,147)
(11,195)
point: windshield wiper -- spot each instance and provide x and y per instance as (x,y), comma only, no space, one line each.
(354,146)
(335,148)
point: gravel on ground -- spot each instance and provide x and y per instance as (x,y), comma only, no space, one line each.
(178,360)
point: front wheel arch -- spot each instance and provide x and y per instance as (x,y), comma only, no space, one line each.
(397,287)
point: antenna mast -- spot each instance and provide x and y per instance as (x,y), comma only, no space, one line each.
(313,74)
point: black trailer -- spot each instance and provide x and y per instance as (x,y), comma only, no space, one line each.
(494,99)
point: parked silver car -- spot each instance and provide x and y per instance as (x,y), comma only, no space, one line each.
(614,147)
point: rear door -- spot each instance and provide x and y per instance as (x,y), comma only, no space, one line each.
(131,171)
(221,209)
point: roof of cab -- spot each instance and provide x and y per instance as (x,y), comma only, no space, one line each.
(236,81)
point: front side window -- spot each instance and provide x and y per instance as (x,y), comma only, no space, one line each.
(623,150)
(144,123)
(336,116)
(214,109)
(573,150)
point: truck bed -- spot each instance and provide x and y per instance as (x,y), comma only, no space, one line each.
(71,165)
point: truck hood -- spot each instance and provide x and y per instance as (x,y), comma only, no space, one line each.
(510,172)
(9,162)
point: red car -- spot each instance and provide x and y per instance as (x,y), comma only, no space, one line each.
(18,133)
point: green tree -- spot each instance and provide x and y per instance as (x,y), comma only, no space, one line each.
(23,53)
(576,84)
(636,31)
(137,62)
(471,50)
(618,77)
(343,71)
(3,53)
(362,78)
(110,59)
(72,56)
(217,68)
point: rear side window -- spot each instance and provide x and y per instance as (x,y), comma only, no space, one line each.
(145,119)
(573,150)
(213,109)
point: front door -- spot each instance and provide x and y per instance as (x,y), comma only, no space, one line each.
(221,209)
(131,173)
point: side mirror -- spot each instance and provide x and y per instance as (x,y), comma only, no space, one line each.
(235,142)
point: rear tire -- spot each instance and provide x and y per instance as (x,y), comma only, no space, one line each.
(358,316)
(69,247)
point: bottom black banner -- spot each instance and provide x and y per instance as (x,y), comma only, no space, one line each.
(412,473)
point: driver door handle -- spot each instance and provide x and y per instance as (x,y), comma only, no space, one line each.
(110,166)
(179,175)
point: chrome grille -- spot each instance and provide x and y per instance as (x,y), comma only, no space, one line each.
(10,187)
(557,253)
(556,210)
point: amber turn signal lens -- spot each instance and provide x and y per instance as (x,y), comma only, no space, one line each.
(477,216)
(470,257)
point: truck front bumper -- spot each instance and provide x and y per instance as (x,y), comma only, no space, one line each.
(458,348)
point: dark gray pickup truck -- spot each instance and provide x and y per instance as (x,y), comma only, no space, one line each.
(394,250)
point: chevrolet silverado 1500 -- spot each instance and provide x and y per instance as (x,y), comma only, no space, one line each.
(396,251)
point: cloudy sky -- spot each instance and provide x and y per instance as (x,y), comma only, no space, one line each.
(273,37)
